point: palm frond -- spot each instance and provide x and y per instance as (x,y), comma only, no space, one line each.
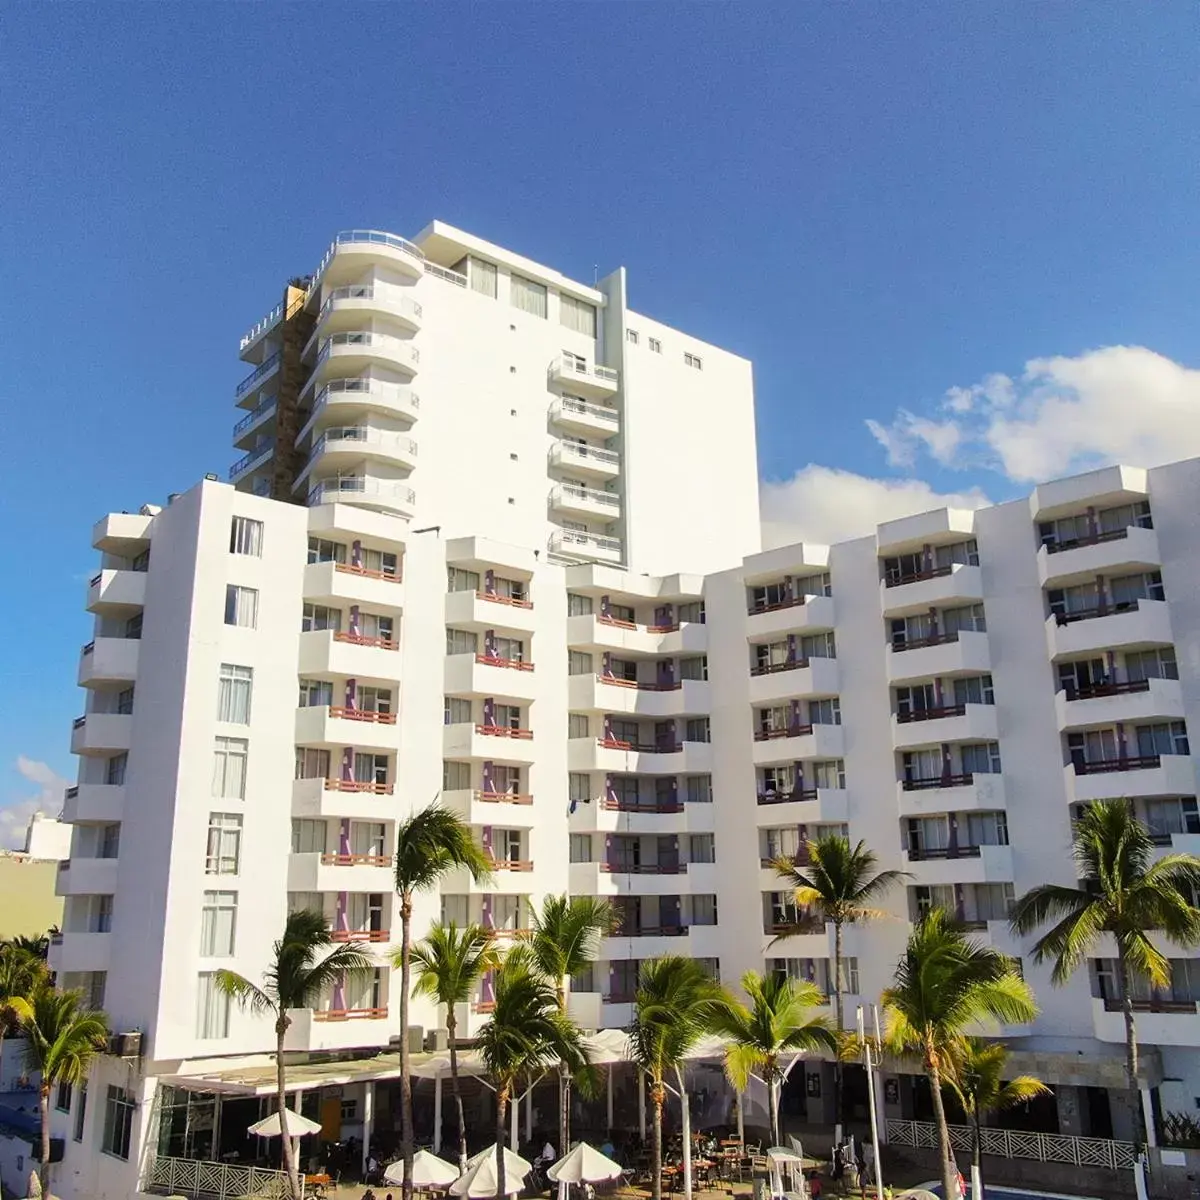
(244,993)
(450,962)
(430,843)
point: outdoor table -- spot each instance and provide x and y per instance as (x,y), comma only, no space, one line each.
(320,1182)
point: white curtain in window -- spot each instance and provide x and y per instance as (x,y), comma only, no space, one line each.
(212,1008)
(528,296)
(577,315)
(482,276)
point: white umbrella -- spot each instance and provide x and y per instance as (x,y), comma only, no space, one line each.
(297,1126)
(584,1164)
(480,1179)
(429,1171)
(514,1164)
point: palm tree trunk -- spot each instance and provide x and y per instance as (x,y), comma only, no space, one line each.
(686,1125)
(286,1148)
(977,1148)
(564,1082)
(1131,1054)
(837,1017)
(656,1098)
(451,1033)
(773,1090)
(501,1107)
(44,1108)
(949,1166)
(406,1099)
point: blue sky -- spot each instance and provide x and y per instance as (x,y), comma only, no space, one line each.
(876,203)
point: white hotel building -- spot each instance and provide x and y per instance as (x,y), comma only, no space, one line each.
(447,564)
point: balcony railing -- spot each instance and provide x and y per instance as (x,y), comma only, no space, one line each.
(512,664)
(495,598)
(658,806)
(365,436)
(584,541)
(269,321)
(663,747)
(763,607)
(329,490)
(362,291)
(898,580)
(362,639)
(267,406)
(88,648)
(252,458)
(652,931)
(638,686)
(373,936)
(932,639)
(619,997)
(622,868)
(445,273)
(569,365)
(366,572)
(366,337)
(930,714)
(365,387)
(502,797)
(792,797)
(356,860)
(511,864)
(505,731)
(370,715)
(1105,766)
(770,735)
(1099,610)
(592,495)
(350,237)
(358,785)
(349,1014)
(583,408)
(1093,691)
(267,365)
(775,668)
(617,622)
(1113,1004)
(801,858)
(928,853)
(938,781)
(1092,539)
(571,450)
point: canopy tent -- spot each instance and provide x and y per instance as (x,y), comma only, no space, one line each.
(429,1171)
(297,1126)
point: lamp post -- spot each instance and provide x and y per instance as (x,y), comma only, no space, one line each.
(871,1061)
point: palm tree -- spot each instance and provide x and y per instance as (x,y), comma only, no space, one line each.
(564,940)
(1123,893)
(526,1034)
(298,976)
(428,844)
(945,983)
(779,1020)
(450,962)
(676,1004)
(22,971)
(62,1037)
(841,882)
(977,1078)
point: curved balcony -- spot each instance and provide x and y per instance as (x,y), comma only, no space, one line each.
(346,445)
(355,250)
(344,305)
(586,547)
(383,495)
(347,398)
(1140,623)
(354,351)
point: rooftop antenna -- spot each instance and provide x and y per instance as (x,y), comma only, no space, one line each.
(595,273)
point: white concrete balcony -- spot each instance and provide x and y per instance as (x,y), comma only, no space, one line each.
(645,941)
(581,416)
(382,495)
(337,798)
(1121,552)
(316,872)
(1113,703)
(950,723)
(959,793)
(108,661)
(585,460)
(595,632)
(345,446)
(99,802)
(252,460)
(586,547)
(86,877)
(345,307)
(604,879)
(964,653)
(610,816)
(809,807)
(505,809)
(802,741)
(126,534)
(356,351)
(688,638)
(1147,623)
(355,251)
(508,878)
(805,614)
(616,1011)
(348,399)
(495,743)
(344,1029)
(80,951)
(101,733)
(585,378)
(971,864)
(942,587)
(477,675)
(116,593)
(596,754)
(342,584)
(573,500)
(351,655)
(248,393)
(256,424)
(1118,778)
(785,681)
(338,726)
(479,611)
(352,522)
(1159,1023)
(599,693)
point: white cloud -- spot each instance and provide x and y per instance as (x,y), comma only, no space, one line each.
(823,504)
(15,815)
(1061,416)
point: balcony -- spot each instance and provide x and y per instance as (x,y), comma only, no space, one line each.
(126,534)
(252,460)
(800,615)
(342,584)
(507,879)
(946,587)
(86,877)
(78,950)
(493,742)
(316,872)
(246,395)
(246,347)
(980,792)
(963,653)
(950,723)
(807,807)
(585,460)
(1113,703)
(585,501)
(352,655)
(588,379)
(314,1030)
(345,399)
(596,632)
(611,816)
(1141,775)
(354,251)
(586,547)
(346,446)
(356,351)
(1142,623)
(101,733)
(617,696)
(99,802)
(798,742)
(478,675)
(246,431)
(969,864)
(383,495)
(336,726)
(108,661)
(339,798)
(116,593)
(343,306)
(506,809)
(599,754)
(580,416)
(479,611)
(785,681)
(1118,552)
(1159,1022)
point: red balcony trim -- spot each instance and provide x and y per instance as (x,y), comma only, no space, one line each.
(362,714)
(349,1014)
(622,806)
(366,572)
(617,622)
(361,639)
(640,747)
(356,860)
(644,868)
(507,731)
(360,935)
(513,664)
(769,735)
(776,668)
(805,924)
(787,797)
(511,864)
(1092,539)
(755,610)
(941,852)
(483,1006)
(1105,766)
(940,781)
(641,687)
(931,714)
(1092,691)
(358,785)
(502,797)
(933,573)
(934,639)
(492,598)
(509,935)
(801,858)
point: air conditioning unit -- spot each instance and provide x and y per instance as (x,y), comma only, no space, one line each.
(437,1039)
(125,1045)
(416,1038)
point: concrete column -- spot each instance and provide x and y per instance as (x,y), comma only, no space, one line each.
(514,1117)
(368,1121)
(1148,1115)
(437,1114)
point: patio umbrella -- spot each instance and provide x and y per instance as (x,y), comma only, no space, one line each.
(297,1126)
(514,1165)
(480,1179)
(429,1171)
(584,1164)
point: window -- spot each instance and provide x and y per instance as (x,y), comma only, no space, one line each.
(133,627)
(218,922)
(456,776)
(140,562)
(509,649)
(320,550)
(315,693)
(982,758)
(114,769)
(312,764)
(118,1122)
(631,336)
(224,849)
(579,787)
(696,730)
(985,828)
(692,613)
(579,606)
(579,663)
(701,848)
(108,840)
(825,712)
(818,645)
(830,773)
(458,580)
(1167,737)
(241,606)
(371,768)
(383,561)
(212,1008)
(655,345)
(849,979)
(577,725)
(578,315)
(125,701)
(694,668)
(457,711)
(62,1097)
(318,616)
(698,789)
(1151,664)
(969,617)
(229,768)
(581,847)
(704,910)
(481,276)
(974,689)
(101,914)
(233,694)
(693,361)
(461,641)
(245,537)
(308,836)
(80,1113)
(528,296)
